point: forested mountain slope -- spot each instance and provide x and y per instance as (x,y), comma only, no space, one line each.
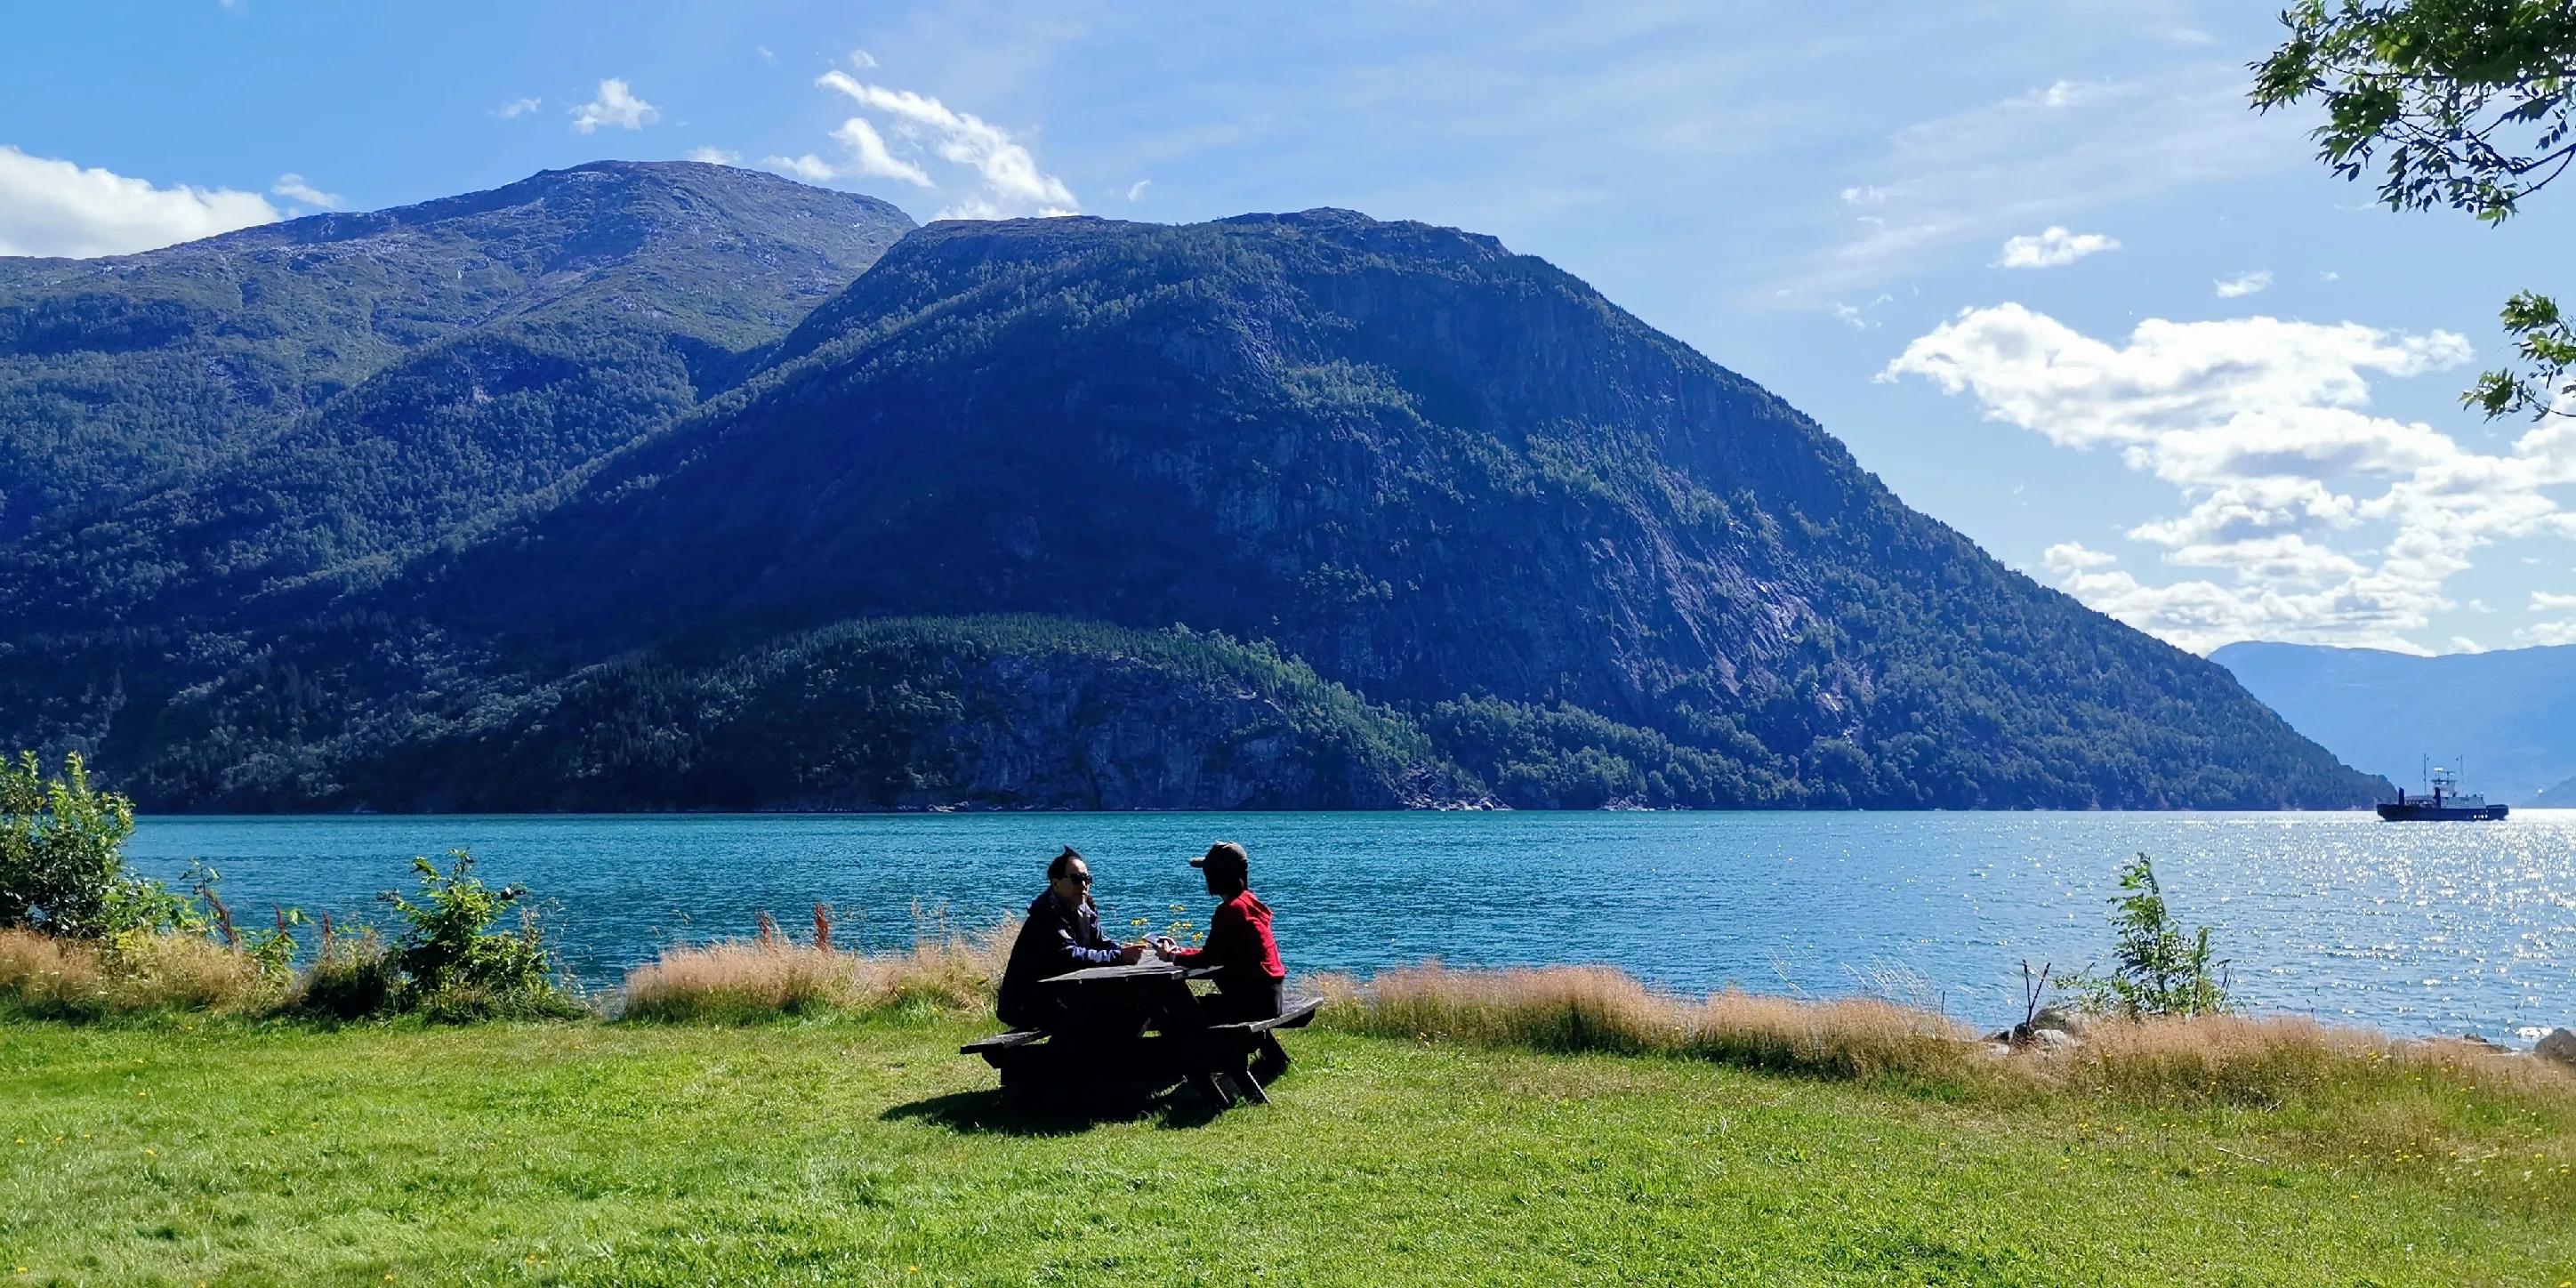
(183,428)
(1283,510)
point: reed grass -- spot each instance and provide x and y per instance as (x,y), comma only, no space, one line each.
(2208,1060)
(44,977)
(1570,1009)
(769,975)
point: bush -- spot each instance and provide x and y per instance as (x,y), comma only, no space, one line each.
(456,966)
(353,976)
(62,862)
(2162,971)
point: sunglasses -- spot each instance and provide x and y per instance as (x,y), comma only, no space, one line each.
(1078,878)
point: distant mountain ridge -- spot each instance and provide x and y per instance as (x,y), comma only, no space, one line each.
(1469,531)
(2512,712)
(270,403)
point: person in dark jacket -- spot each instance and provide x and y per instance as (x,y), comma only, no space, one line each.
(1250,978)
(1062,934)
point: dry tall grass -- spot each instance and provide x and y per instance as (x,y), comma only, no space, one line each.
(769,975)
(132,973)
(1597,1008)
(2210,1060)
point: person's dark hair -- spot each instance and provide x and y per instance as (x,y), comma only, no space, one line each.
(1062,862)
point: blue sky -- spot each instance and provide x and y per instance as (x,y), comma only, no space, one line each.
(2218,402)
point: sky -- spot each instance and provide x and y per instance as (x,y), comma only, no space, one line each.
(2039,265)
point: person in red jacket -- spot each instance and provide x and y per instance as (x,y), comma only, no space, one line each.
(1250,977)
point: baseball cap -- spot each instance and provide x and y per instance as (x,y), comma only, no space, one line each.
(1224,856)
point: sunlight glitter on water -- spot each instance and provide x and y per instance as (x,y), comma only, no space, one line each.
(2408,927)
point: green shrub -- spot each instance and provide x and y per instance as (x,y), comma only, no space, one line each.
(456,967)
(354,976)
(2162,971)
(62,858)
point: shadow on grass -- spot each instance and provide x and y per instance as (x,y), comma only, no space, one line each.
(995,1112)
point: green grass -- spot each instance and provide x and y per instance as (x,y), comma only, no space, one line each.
(856,1151)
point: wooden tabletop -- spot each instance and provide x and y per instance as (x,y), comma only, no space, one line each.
(1112,974)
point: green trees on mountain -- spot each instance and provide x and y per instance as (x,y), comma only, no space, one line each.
(1299,510)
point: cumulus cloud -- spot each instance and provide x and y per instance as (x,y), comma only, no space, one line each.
(1864,195)
(518,107)
(2053,247)
(2547,633)
(2543,601)
(714,156)
(864,155)
(1008,180)
(294,188)
(2243,284)
(868,155)
(616,105)
(808,167)
(53,207)
(2325,522)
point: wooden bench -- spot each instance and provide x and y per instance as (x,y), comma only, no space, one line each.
(1001,1042)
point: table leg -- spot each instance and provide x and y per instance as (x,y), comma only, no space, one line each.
(1214,1084)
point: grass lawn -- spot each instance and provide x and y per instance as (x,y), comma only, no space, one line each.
(867,1151)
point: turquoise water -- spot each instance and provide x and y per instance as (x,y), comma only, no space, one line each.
(2413,928)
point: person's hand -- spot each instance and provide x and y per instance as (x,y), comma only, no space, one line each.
(1130,954)
(1165,946)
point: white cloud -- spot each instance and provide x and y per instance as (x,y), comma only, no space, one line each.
(2547,633)
(714,156)
(766,55)
(616,105)
(2048,156)
(2244,284)
(2463,644)
(53,207)
(2074,556)
(862,59)
(2052,247)
(2064,93)
(2543,601)
(869,157)
(2329,523)
(2189,36)
(518,107)
(1864,195)
(865,156)
(2329,275)
(809,167)
(1009,180)
(294,188)
(1854,316)
(1136,190)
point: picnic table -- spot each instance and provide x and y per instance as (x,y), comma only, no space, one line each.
(1135,1024)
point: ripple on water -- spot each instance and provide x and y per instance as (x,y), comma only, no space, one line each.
(2407,927)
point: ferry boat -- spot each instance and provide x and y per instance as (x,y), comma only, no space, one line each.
(2447,804)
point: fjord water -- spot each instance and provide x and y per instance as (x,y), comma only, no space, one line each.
(2419,928)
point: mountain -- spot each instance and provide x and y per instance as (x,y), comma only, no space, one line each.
(1304,509)
(2512,713)
(186,427)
